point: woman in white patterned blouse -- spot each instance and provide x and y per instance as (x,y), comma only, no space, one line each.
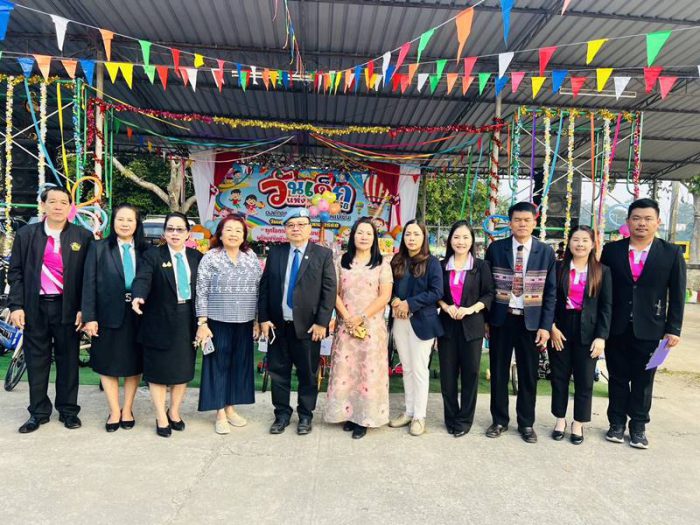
(227,293)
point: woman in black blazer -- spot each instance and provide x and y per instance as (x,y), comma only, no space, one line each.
(417,288)
(581,326)
(468,293)
(109,273)
(165,283)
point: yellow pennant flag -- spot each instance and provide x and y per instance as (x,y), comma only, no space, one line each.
(198,60)
(112,69)
(338,77)
(274,76)
(593,48)
(602,76)
(537,83)
(127,70)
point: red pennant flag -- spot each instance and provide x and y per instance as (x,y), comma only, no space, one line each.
(666,85)
(576,84)
(451,79)
(327,81)
(651,74)
(405,82)
(220,63)
(369,74)
(469,63)
(403,52)
(395,82)
(129,132)
(516,77)
(163,75)
(466,82)
(546,54)
(176,59)
(70,66)
(184,76)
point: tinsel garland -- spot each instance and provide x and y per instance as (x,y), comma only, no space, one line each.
(544,204)
(515,166)
(41,165)
(637,147)
(494,179)
(607,153)
(33,80)
(570,173)
(9,101)
(454,128)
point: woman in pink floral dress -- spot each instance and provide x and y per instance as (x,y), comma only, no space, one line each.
(358,388)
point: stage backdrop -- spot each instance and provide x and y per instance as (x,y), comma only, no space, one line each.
(225,186)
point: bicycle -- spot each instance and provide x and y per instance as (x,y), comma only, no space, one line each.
(11,340)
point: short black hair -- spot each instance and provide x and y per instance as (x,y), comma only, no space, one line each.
(643,203)
(178,215)
(522,206)
(139,236)
(45,193)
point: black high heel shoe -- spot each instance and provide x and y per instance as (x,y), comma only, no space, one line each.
(558,435)
(359,432)
(577,439)
(111,427)
(127,425)
(176,425)
(165,432)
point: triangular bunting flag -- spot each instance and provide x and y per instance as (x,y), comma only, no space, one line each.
(182,72)
(396,82)
(537,83)
(404,83)
(565,6)
(483,80)
(650,76)
(412,68)
(285,79)
(61,24)
(506,7)
(666,85)
(220,74)
(593,47)
(358,77)
(423,42)
(274,78)
(451,79)
(546,54)
(620,85)
(239,70)
(558,77)
(389,73)
(403,53)
(348,79)
(434,81)
(338,77)
(150,73)
(70,66)
(107,37)
(576,84)
(198,60)
(440,67)
(504,60)
(469,63)
(5,10)
(163,75)
(330,80)
(113,70)
(602,75)
(386,60)
(146,51)
(466,82)
(27,64)
(369,73)
(127,70)
(516,78)
(500,84)
(376,81)
(266,78)
(464,27)
(243,79)
(44,63)
(253,72)
(88,67)
(176,59)
(655,41)
(129,132)
(422,77)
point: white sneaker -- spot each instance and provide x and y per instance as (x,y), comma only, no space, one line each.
(237,420)
(417,427)
(401,421)
(221,427)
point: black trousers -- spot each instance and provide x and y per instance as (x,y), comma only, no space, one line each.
(513,334)
(630,386)
(574,358)
(304,354)
(42,338)
(459,359)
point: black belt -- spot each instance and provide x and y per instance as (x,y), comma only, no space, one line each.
(516,311)
(51,297)
(185,302)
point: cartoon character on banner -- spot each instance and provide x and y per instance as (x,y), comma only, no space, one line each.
(229,195)
(252,204)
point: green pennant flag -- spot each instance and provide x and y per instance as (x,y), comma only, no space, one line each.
(117,126)
(150,73)
(655,41)
(424,39)
(330,87)
(244,79)
(435,79)
(440,66)
(483,80)
(146,51)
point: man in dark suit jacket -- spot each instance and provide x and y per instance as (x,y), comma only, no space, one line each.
(649,277)
(296,300)
(46,282)
(521,316)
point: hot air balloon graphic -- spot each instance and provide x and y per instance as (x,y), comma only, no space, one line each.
(377,195)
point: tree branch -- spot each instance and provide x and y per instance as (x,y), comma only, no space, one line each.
(129,174)
(189,203)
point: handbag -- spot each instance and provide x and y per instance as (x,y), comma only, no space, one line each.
(359,331)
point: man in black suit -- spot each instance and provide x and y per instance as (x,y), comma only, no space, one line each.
(296,301)
(46,282)
(648,277)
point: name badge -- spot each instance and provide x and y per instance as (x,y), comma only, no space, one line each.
(75,246)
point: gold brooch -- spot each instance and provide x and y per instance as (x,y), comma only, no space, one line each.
(75,246)
(167,264)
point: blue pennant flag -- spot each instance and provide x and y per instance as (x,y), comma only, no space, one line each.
(501,83)
(389,73)
(88,70)
(240,77)
(5,10)
(27,64)
(558,77)
(358,77)
(506,6)
(285,79)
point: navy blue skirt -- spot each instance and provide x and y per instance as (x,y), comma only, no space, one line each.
(227,373)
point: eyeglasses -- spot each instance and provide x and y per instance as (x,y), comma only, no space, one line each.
(170,229)
(296,225)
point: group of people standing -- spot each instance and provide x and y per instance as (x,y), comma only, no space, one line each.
(149,309)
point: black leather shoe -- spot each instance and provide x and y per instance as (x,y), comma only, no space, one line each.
(577,439)
(616,433)
(450,429)
(459,432)
(70,422)
(349,426)
(304,426)
(278,426)
(111,427)
(176,425)
(558,435)
(528,434)
(359,432)
(127,425)
(164,432)
(496,430)
(33,424)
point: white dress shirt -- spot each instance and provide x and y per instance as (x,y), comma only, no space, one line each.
(519,302)
(187,267)
(132,252)
(286,310)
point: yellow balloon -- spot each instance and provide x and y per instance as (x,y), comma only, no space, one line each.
(315,199)
(329,196)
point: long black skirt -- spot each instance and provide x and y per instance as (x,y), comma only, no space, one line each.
(174,365)
(115,352)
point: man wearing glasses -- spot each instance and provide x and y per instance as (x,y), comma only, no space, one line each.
(295,303)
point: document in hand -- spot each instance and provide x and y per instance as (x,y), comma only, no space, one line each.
(659,355)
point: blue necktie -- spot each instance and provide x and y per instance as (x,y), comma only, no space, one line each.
(183,285)
(293,278)
(128,264)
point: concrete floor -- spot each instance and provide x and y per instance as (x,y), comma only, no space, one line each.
(88,476)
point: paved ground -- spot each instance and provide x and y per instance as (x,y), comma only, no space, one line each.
(88,476)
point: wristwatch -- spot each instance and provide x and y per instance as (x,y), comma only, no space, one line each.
(201,323)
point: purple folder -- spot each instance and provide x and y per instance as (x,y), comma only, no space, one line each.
(659,355)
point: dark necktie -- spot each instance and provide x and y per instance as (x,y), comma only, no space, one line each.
(293,278)
(518,277)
